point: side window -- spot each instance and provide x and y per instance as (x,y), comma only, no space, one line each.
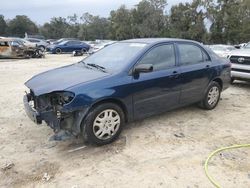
(205,56)
(4,44)
(161,57)
(34,41)
(190,54)
(70,43)
(15,43)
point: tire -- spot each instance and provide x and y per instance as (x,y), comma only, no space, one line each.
(212,96)
(83,51)
(232,80)
(58,50)
(42,48)
(97,129)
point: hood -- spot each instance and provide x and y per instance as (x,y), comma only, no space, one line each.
(62,78)
(240,52)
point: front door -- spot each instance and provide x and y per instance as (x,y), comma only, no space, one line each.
(159,90)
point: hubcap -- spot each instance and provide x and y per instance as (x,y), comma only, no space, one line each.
(106,124)
(213,95)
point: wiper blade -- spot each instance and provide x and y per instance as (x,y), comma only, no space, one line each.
(97,66)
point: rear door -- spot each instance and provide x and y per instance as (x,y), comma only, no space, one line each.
(159,90)
(196,72)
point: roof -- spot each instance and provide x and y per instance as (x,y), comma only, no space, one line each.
(5,39)
(156,40)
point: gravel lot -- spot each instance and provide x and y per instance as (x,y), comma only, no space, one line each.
(168,150)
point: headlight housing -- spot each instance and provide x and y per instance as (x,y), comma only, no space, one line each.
(62,98)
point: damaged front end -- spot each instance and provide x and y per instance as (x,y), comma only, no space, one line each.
(55,110)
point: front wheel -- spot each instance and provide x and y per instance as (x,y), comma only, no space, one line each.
(58,51)
(212,96)
(103,124)
(42,48)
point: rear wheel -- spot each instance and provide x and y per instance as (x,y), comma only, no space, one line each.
(212,96)
(83,51)
(103,124)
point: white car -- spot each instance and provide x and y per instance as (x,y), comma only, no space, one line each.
(42,44)
(25,42)
(222,50)
(240,60)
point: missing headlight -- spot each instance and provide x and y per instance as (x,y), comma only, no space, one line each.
(62,98)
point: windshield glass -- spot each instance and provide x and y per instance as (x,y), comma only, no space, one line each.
(248,45)
(62,42)
(115,57)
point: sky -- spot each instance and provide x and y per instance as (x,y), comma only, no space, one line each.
(41,11)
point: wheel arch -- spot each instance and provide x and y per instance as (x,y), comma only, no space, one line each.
(219,81)
(102,101)
(115,101)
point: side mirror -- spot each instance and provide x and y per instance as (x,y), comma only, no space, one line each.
(143,68)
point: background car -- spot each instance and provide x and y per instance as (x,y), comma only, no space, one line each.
(42,44)
(222,50)
(68,47)
(240,60)
(11,48)
(25,42)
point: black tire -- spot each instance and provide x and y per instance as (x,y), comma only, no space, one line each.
(58,50)
(88,124)
(42,48)
(232,80)
(205,104)
(84,51)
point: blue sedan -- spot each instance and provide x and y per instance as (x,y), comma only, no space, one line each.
(68,46)
(124,82)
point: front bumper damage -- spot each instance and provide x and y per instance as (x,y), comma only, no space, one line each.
(65,122)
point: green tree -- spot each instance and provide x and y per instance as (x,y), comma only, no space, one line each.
(187,21)
(121,23)
(56,28)
(94,27)
(148,18)
(3,25)
(20,25)
(230,20)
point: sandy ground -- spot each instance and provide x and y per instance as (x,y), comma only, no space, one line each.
(168,150)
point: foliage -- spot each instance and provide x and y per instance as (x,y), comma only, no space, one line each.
(3,25)
(209,21)
(21,24)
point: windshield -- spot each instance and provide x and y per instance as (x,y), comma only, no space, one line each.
(115,57)
(248,45)
(62,42)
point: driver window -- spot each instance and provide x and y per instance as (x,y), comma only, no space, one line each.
(161,57)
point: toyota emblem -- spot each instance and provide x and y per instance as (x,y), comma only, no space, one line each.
(241,59)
